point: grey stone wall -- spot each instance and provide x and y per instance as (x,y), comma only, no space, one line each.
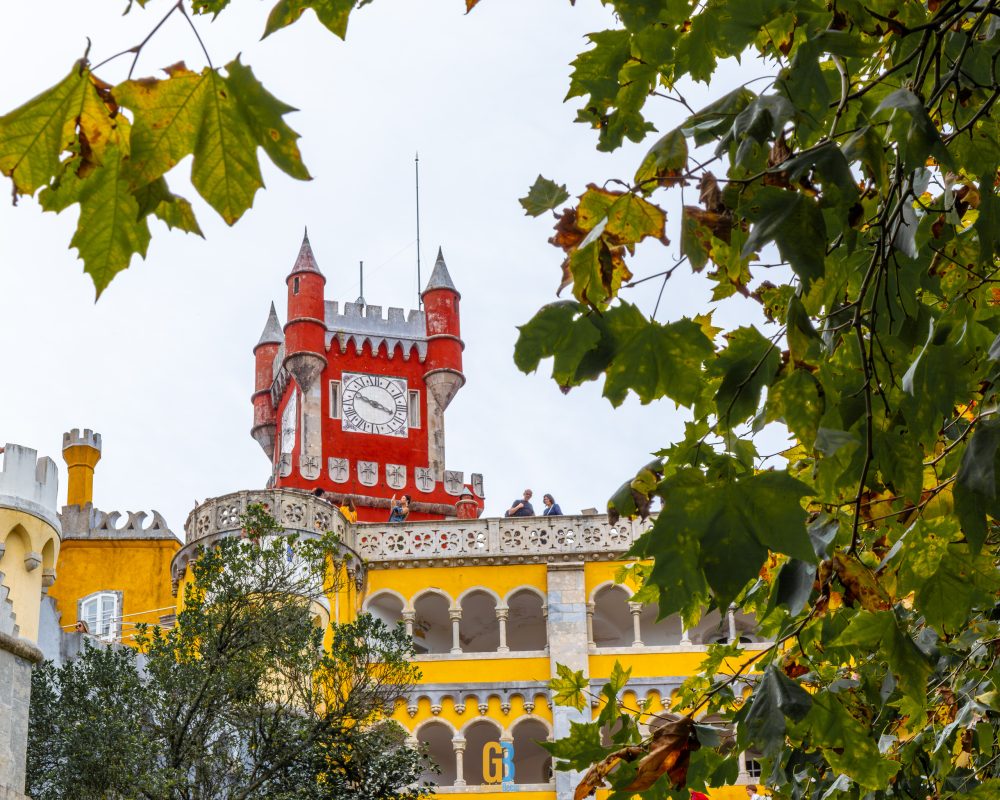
(15,694)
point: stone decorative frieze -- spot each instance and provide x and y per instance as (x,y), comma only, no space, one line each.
(309,467)
(454,481)
(395,475)
(368,473)
(499,541)
(340,469)
(424,479)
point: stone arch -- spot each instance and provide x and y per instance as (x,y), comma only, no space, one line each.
(431,622)
(387,606)
(526,628)
(479,628)
(436,736)
(532,762)
(476,589)
(478,734)
(612,624)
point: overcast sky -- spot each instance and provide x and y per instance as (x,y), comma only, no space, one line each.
(162,367)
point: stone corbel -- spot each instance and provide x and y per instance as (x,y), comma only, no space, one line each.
(32,561)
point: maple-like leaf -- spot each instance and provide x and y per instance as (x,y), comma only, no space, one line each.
(334,14)
(110,229)
(221,121)
(70,114)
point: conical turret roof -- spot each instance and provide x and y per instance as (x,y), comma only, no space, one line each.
(272,333)
(440,278)
(306,261)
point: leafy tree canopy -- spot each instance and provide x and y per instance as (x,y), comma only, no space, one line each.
(240,699)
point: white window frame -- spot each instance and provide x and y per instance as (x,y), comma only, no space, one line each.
(336,404)
(102,611)
(413,409)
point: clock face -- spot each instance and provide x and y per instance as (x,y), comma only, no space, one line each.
(374,404)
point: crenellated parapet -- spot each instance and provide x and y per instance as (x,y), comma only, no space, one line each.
(360,323)
(29,483)
(87,522)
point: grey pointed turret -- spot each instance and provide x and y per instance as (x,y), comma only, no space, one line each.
(305,261)
(440,277)
(272,333)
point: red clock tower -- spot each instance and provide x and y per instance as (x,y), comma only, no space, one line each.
(352,401)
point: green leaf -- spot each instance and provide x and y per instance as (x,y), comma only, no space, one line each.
(795,223)
(544,195)
(795,585)
(776,697)
(595,71)
(569,686)
(976,484)
(581,748)
(732,525)
(652,359)
(70,114)
(880,630)
(665,161)
(264,114)
(746,366)
(157,199)
(221,121)
(796,399)
(846,743)
(561,330)
(110,228)
(917,135)
(334,14)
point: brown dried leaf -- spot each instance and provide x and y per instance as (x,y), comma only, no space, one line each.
(860,583)
(710,195)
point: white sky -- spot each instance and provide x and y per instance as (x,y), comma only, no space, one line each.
(162,365)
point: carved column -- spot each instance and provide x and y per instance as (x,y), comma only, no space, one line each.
(458,745)
(731,619)
(502,614)
(567,637)
(409,617)
(590,626)
(455,615)
(636,609)
(685,635)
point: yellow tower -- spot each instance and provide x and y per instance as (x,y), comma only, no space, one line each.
(29,546)
(114,572)
(81,452)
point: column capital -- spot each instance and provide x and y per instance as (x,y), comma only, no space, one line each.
(409,616)
(635,608)
(455,614)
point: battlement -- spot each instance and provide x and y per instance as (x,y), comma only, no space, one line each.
(87,522)
(360,323)
(86,439)
(29,483)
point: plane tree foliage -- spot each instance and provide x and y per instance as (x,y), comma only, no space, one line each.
(245,697)
(848,204)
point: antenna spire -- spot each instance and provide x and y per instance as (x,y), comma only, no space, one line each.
(420,285)
(361,273)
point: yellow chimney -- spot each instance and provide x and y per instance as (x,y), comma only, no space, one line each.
(81,452)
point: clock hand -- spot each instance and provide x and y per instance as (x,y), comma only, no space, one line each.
(374,403)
